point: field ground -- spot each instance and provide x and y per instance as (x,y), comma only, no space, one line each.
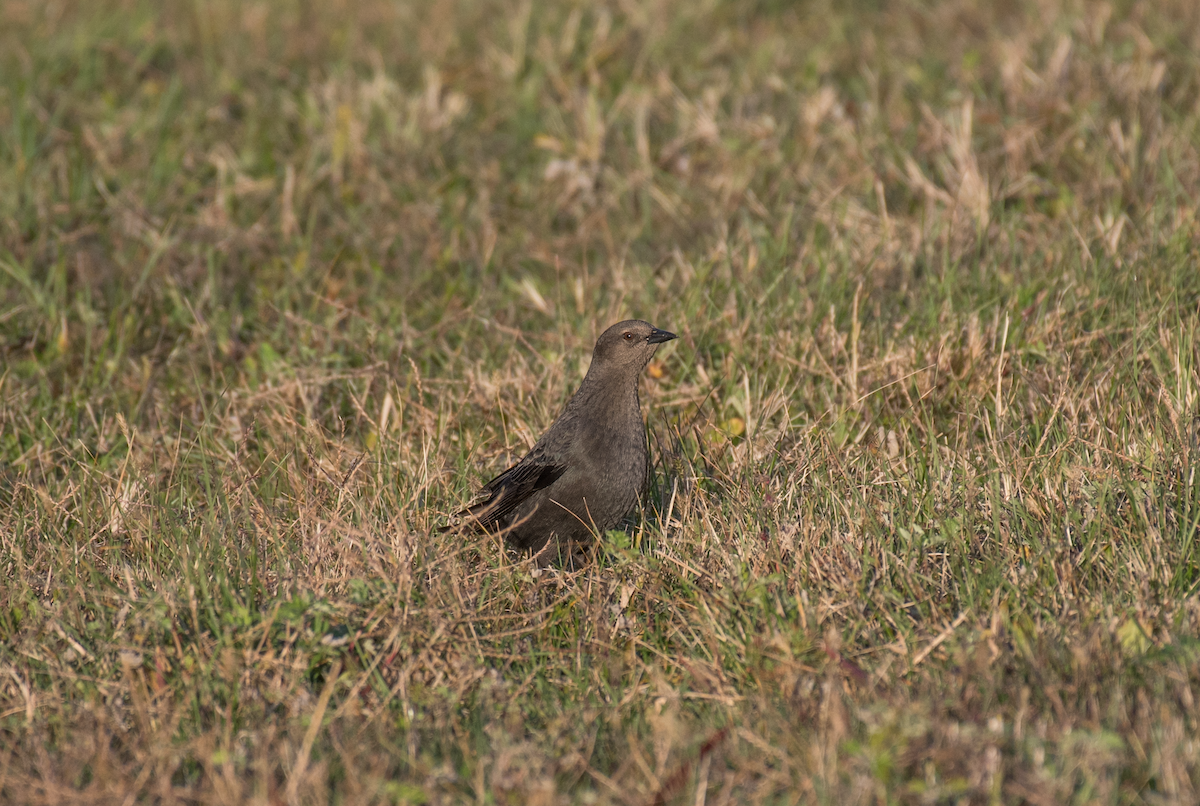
(281,283)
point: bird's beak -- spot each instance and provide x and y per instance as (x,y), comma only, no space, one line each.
(659,336)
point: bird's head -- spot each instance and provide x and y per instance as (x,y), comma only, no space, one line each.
(627,346)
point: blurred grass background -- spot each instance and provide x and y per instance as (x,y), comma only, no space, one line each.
(282,282)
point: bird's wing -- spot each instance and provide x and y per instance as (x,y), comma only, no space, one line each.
(513,487)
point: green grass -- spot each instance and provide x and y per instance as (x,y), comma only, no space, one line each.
(282,283)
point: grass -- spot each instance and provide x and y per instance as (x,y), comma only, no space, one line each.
(281,283)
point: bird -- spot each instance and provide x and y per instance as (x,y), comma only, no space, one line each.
(586,472)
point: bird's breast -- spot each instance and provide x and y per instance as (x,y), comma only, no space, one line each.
(616,454)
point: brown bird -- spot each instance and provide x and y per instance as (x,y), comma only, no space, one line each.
(586,472)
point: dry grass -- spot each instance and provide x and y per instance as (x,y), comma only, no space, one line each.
(281,283)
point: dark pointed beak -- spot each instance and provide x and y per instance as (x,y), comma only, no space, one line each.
(659,336)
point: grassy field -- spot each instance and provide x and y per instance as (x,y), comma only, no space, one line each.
(281,283)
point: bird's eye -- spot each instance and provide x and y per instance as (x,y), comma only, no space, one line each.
(628,336)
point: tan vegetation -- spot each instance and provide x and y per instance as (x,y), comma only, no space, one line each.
(282,282)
